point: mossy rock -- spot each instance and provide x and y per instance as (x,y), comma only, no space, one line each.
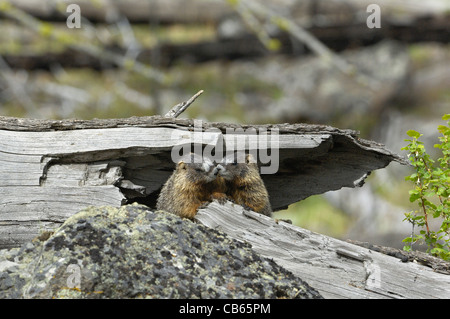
(133,252)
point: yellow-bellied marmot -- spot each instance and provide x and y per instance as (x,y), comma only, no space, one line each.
(193,183)
(244,184)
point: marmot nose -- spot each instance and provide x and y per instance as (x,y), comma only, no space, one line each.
(218,169)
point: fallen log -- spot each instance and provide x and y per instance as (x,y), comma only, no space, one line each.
(336,37)
(337,269)
(205,11)
(50,169)
(138,11)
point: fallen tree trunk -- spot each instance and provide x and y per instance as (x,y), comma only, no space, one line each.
(52,169)
(338,25)
(138,11)
(206,11)
(337,269)
(336,37)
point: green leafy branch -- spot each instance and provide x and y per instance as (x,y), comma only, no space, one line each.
(431,192)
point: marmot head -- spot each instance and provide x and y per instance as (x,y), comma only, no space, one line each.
(197,169)
(236,165)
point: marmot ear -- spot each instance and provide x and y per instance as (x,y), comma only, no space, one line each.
(181,165)
(249,159)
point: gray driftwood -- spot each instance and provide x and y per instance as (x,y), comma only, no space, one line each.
(51,169)
(337,269)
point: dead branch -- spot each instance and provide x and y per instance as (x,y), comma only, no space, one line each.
(181,107)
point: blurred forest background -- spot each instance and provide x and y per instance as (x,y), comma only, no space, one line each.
(270,61)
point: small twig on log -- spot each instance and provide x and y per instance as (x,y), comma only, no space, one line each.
(181,107)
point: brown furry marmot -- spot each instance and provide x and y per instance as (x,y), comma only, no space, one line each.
(244,185)
(193,183)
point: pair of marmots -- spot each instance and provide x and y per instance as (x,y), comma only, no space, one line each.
(197,181)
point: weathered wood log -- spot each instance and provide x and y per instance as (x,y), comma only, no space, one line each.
(336,37)
(345,27)
(51,169)
(206,11)
(138,11)
(337,269)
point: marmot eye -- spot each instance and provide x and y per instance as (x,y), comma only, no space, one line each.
(198,170)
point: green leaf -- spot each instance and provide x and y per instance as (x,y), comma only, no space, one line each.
(446,117)
(436,214)
(413,195)
(407,240)
(414,134)
(443,129)
(439,251)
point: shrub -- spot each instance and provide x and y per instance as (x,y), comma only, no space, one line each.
(431,192)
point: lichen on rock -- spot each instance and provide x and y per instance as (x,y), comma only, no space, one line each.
(133,252)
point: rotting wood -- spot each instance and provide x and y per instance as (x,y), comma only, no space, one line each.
(52,168)
(337,269)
